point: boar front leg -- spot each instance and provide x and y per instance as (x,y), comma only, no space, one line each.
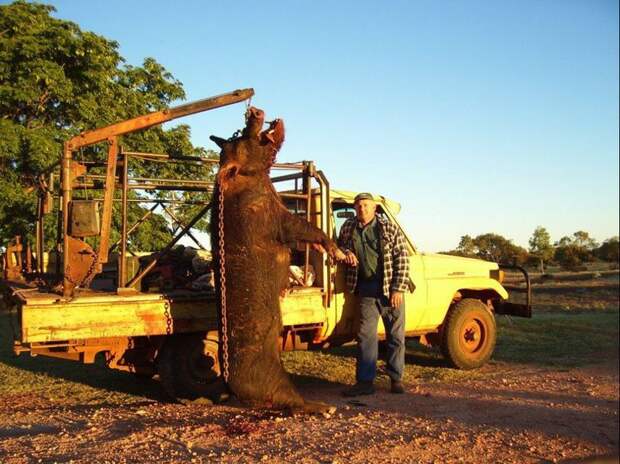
(295,228)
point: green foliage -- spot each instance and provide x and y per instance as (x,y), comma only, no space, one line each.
(540,244)
(572,252)
(57,81)
(467,246)
(609,250)
(494,247)
(490,247)
(582,239)
(541,247)
(571,256)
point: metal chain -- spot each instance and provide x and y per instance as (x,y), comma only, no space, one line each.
(90,275)
(168,318)
(222,271)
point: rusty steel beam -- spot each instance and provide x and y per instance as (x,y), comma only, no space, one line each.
(181,224)
(158,117)
(122,265)
(108,196)
(66,182)
(164,158)
(137,224)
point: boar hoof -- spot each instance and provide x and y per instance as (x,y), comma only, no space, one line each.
(314,407)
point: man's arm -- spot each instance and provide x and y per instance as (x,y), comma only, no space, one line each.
(344,242)
(400,270)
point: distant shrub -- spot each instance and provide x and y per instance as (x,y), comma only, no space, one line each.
(609,251)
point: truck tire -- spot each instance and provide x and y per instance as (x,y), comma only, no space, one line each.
(188,367)
(468,335)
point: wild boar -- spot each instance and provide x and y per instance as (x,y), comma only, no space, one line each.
(257,227)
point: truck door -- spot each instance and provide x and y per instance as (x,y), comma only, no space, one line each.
(343,304)
(344,308)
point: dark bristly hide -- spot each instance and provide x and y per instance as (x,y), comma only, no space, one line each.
(257,228)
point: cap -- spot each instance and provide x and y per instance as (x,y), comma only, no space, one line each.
(363,196)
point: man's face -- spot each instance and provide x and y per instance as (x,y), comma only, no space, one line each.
(365,210)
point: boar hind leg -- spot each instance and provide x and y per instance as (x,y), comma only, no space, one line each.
(288,398)
(313,407)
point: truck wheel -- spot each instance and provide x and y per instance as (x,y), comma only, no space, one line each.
(189,368)
(469,334)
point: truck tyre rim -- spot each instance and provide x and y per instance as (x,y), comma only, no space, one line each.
(473,336)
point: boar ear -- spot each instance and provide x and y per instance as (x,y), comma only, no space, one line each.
(255,119)
(274,135)
(220,142)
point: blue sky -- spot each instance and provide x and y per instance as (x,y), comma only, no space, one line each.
(476,116)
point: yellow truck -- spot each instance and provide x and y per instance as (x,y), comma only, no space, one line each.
(103,304)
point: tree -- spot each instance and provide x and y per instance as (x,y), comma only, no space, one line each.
(494,247)
(56,81)
(582,239)
(569,256)
(491,247)
(571,252)
(466,247)
(540,246)
(610,250)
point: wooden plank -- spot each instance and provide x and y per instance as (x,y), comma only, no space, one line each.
(303,307)
(78,321)
(47,318)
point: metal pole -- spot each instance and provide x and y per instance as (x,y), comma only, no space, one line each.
(39,244)
(181,224)
(307,190)
(326,225)
(66,198)
(122,265)
(135,226)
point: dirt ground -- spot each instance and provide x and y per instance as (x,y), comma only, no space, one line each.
(510,411)
(516,414)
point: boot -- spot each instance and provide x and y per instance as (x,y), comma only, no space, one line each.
(397,387)
(359,389)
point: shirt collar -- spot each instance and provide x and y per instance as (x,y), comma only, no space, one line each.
(370,224)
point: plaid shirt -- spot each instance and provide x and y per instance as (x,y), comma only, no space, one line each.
(394,251)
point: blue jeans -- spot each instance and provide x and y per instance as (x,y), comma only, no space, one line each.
(371,308)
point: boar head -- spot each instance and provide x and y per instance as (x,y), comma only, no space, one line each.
(250,155)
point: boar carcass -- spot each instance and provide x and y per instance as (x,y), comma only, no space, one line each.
(257,229)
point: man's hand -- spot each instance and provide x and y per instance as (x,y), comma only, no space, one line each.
(351,259)
(334,252)
(339,255)
(318,247)
(396,299)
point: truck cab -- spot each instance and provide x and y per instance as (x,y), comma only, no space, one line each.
(451,302)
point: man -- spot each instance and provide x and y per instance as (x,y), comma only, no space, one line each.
(378,273)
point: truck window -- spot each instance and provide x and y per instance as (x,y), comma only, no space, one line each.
(341,214)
